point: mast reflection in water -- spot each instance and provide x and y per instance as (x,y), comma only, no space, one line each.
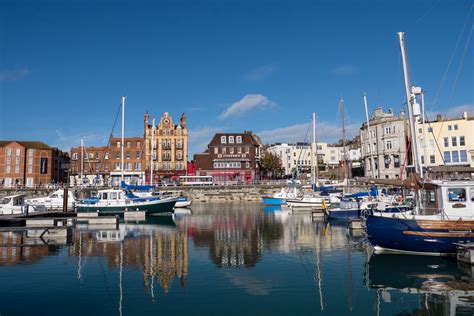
(230,259)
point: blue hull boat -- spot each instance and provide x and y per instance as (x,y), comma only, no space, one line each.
(417,236)
(268,200)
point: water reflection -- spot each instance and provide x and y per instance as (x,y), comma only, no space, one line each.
(442,285)
(224,255)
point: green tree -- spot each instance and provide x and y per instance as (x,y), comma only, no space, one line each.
(271,165)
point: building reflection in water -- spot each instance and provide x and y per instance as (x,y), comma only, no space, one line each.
(443,286)
(161,252)
(17,247)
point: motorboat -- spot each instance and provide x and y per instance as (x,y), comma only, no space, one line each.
(54,201)
(15,205)
(118,201)
(281,197)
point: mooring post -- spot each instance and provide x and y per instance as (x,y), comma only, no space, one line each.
(65,196)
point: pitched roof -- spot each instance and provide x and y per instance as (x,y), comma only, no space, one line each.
(27,144)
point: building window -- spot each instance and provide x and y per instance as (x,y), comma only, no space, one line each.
(447,157)
(117,155)
(17,169)
(389,144)
(432,159)
(247,150)
(106,167)
(138,166)
(231,150)
(17,160)
(216,150)
(30,152)
(117,166)
(30,160)
(106,156)
(247,164)
(446,142)
(455,127)
(138,154)
(224,150)
(231,139)
(74,156)
(455,155)
(96,155)
(462,141)
(179,155)
(454,141)
(97,167)
(223,140)
(30,169)
(118,144)
(396,161)
(238,139)
(9,160)
(463,155)
(430,130)
(139,145)
(450,127)
(7,169)
(17,152)
(128,144)
(9,151)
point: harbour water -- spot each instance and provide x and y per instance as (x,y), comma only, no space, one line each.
(224,259)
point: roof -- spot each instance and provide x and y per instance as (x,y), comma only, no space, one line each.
(248,138)
(27,144)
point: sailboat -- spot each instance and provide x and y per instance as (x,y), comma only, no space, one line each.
(122,200)
(312,200)
(444,211)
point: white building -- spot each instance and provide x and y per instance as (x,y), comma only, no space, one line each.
(385,148)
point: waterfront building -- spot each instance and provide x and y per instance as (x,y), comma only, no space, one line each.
(298,155)
(31,163)
(448,141)
(230,158)
(102,165)
(170,150)
(385,147)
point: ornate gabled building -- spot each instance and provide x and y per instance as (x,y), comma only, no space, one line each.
(169,150)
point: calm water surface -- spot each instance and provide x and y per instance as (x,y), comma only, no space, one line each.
(238,259)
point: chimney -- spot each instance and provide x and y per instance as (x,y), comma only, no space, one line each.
(145,124)
(464,115)
(439,118)
(183,120)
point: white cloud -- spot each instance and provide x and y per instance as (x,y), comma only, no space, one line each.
(344,70)
(326,132)
(452,112)
(261,73)
(247,103)
(14,75)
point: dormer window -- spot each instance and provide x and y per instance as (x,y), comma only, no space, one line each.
(231,139)
(223,140)
(238,139)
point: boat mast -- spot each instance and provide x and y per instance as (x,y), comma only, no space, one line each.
(314,155)
(409,96)
(344,157)
(82,159)
(123,138)
(152,150)
(372,161)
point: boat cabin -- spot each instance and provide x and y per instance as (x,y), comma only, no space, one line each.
(452,198)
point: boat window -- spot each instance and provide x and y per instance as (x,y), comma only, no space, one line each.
(428,197)
(471,194)
(113,195)
(53,196)
(457,195)
(5,201)
(104,196)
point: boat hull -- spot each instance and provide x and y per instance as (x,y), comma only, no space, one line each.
(354,213)
(415,236)
(268,200)
(159,206)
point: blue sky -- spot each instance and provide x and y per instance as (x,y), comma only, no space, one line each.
(230,65)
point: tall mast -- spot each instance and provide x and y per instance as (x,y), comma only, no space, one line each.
(123,138)
(425,137)
(372,161)
(82,159)
(314,153)
(344,156)
(414,142)
(152,150)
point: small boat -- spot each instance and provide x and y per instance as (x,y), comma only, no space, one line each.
(183,202)
(281,197)
(54,201)
(15,205)
(116,201)
(308,202)
(354,209)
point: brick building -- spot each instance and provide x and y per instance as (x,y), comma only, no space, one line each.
(170,152)
(230,158)
(101,165)
(31,163)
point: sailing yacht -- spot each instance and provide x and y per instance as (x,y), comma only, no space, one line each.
(444,211)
